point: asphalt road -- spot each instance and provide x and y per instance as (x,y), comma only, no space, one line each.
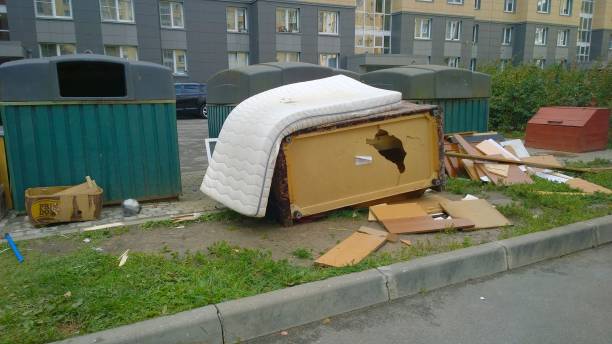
(567,300)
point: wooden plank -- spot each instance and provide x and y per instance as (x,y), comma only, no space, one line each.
(544,159)
(499,169)
(389,236)
(406,242)
(516,176)
(466,146)
(430,202)
(528,163)
(371,216)
(450,169)
(425,224)
(490,147)
(397,211)
(478,211)
(586,186)
(351,251)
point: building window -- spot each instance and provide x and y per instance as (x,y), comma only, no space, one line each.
(53,8)
(541,63)
(4,28)
(373,27)
(503,63)
(509,6)
(453,61)
(117,10)
(453,30)
(583,44)
(124,51)
(507,36)
(543,6)
(610,43)
(562,38)
(455,2)
(475,31)
(328,23)
(328,60)
(236,19)
(171,14)
(541,34)
(237,59)
(56,49)
(473,64)
(422,28)
(566,7)
(476,4)
(287,20)
(287,56)
(176,60)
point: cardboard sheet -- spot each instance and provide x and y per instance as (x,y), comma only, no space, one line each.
(499,169)
(588,187)
(425,224)
(397,211)
(351,251)
(517,176)
(430,202)
(478,211)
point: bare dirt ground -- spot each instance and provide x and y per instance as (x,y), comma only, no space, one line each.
(316,237)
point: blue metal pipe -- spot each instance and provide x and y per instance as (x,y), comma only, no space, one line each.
(13,247)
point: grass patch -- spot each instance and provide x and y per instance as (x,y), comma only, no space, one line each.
(48,298)
(302,253)
(51,297)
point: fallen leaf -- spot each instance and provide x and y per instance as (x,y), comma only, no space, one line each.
(326,321)
(68,294)
(284,333)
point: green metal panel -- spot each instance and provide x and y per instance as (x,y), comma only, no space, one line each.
(216,116)
(129,148)
(462,115)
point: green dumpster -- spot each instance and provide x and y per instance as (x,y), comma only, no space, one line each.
(228,88)
(89,115)
(463,95)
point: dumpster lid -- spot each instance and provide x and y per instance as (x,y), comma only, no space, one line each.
(564,116)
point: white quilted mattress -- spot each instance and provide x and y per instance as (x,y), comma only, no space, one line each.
(240,172)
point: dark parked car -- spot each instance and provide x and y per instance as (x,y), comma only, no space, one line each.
(191,99)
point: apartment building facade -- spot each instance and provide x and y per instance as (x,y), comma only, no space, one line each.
(196,38)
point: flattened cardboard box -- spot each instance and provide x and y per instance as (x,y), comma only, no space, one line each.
(45,206)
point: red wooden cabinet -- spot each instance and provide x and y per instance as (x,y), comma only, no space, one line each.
(569,129)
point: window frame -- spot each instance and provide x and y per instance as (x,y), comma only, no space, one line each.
(337,55)
(548,6)
(457,62)
(420,31)
(236,16)
(472,66)
(566,4)
(563,37)
(509,30)
(540,63)
(455,2)
(337,26)
(287,53)
(286,12)
(117,10)
(174,59)
(172,25)
(58,49)
(475,33)
(246,53)
(544,36)
(456,34)
(53,10)
(513,2)
(121,48)
(477,4)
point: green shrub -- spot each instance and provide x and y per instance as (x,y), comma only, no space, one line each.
(519,91)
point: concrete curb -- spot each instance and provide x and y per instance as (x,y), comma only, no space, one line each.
(432,272)
(200,325)
(255,316)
